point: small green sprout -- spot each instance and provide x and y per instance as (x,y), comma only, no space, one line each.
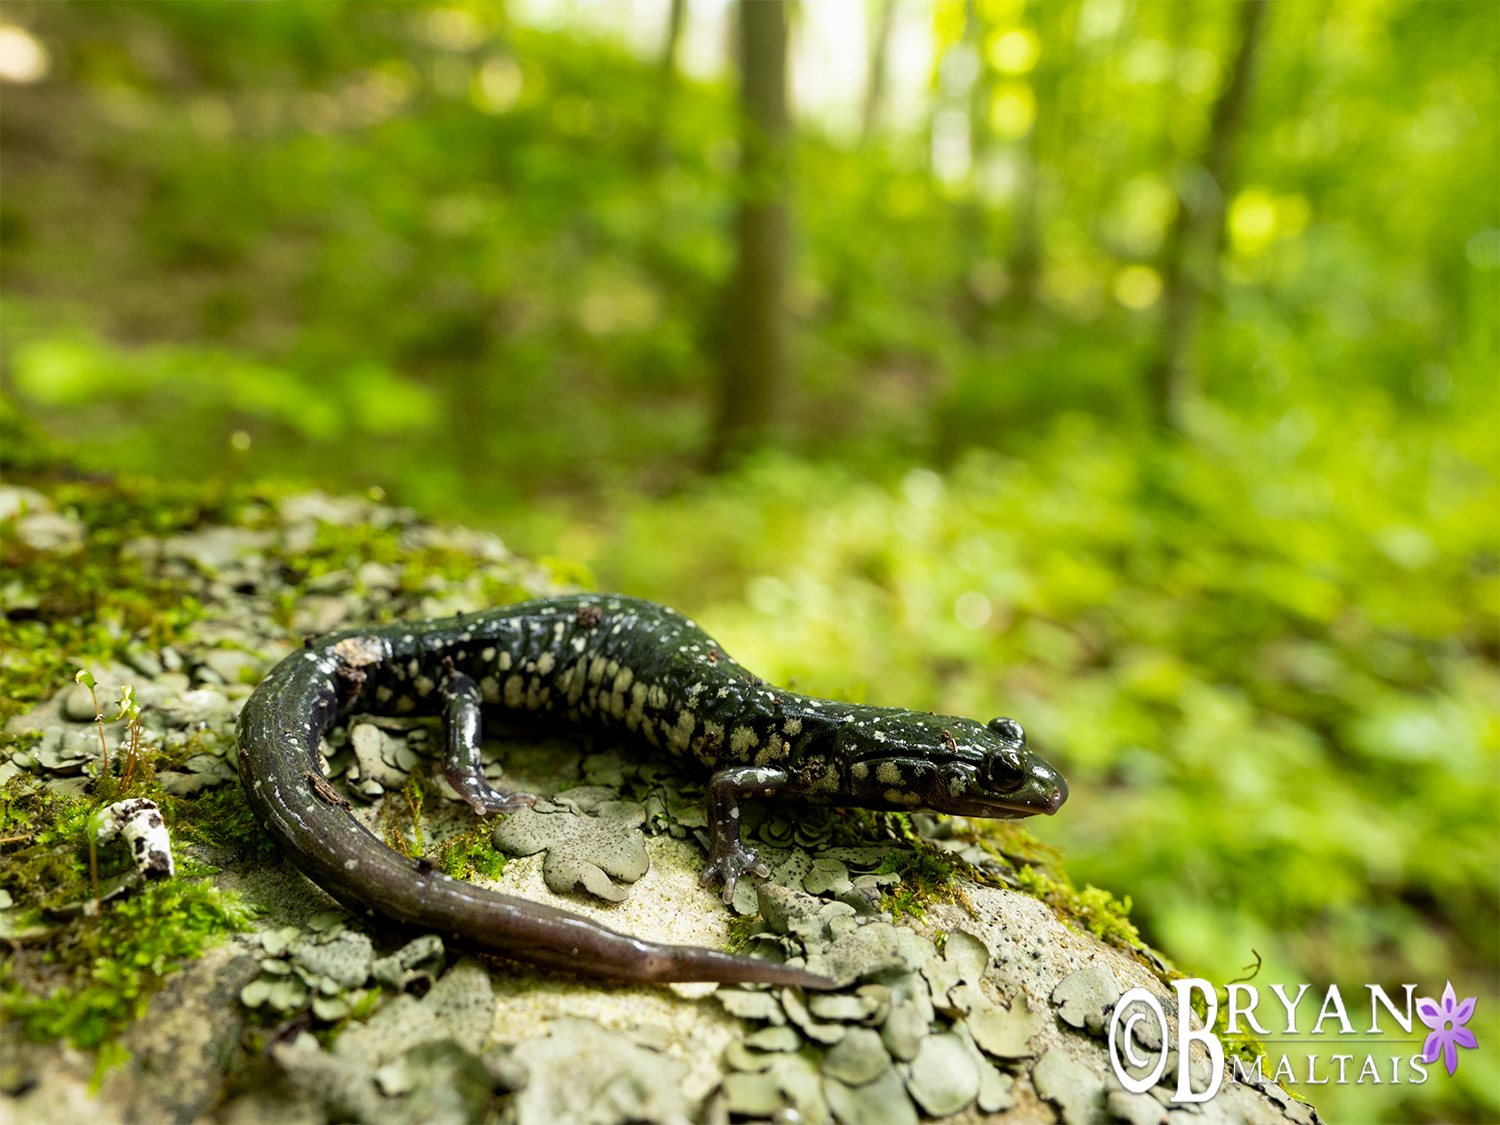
(130,710)
(86,678)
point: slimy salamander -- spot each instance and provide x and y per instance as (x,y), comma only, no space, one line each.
(616,663)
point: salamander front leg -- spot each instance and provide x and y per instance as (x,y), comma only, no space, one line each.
(728,858)
(462,764)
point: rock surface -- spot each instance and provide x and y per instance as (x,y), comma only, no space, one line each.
(989,1010)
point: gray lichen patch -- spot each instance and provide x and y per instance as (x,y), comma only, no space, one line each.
(412,1061)
(1076,1088)
(858,1058)
(1004,1032)
(1085,998)
(583,851)
(665,904)
(460,1007)
(943,1078)
(344,961)
(580,1071)
(884,1099)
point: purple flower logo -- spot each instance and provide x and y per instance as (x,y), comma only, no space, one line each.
(1448,1031)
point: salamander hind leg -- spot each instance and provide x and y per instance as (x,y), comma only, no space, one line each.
(462,764)
(728,858)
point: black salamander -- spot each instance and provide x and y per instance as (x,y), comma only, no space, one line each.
(616,663)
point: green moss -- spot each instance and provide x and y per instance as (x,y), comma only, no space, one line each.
(99,974)
(741,928)
(1092,909)
(470,854)
(46,862)
(1010,841)
(415,794)
(346,548)
(926,876)
(223,819)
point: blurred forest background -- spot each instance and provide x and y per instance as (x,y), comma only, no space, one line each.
(1128,368)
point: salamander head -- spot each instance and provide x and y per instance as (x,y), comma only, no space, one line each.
(947,764)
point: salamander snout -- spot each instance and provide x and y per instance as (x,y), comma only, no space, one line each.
(1059,787)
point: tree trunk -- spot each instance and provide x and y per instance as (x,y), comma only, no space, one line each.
(676,16)
(880,50)
(657,149)
(1191,254)
(753,371)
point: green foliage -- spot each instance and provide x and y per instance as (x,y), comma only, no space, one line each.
(103,976)
(354,256)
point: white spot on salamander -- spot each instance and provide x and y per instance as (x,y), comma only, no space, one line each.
(792,727)
(546,663)
(888,773)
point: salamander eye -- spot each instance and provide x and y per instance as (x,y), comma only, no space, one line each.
(1008,731)
(1003,771)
